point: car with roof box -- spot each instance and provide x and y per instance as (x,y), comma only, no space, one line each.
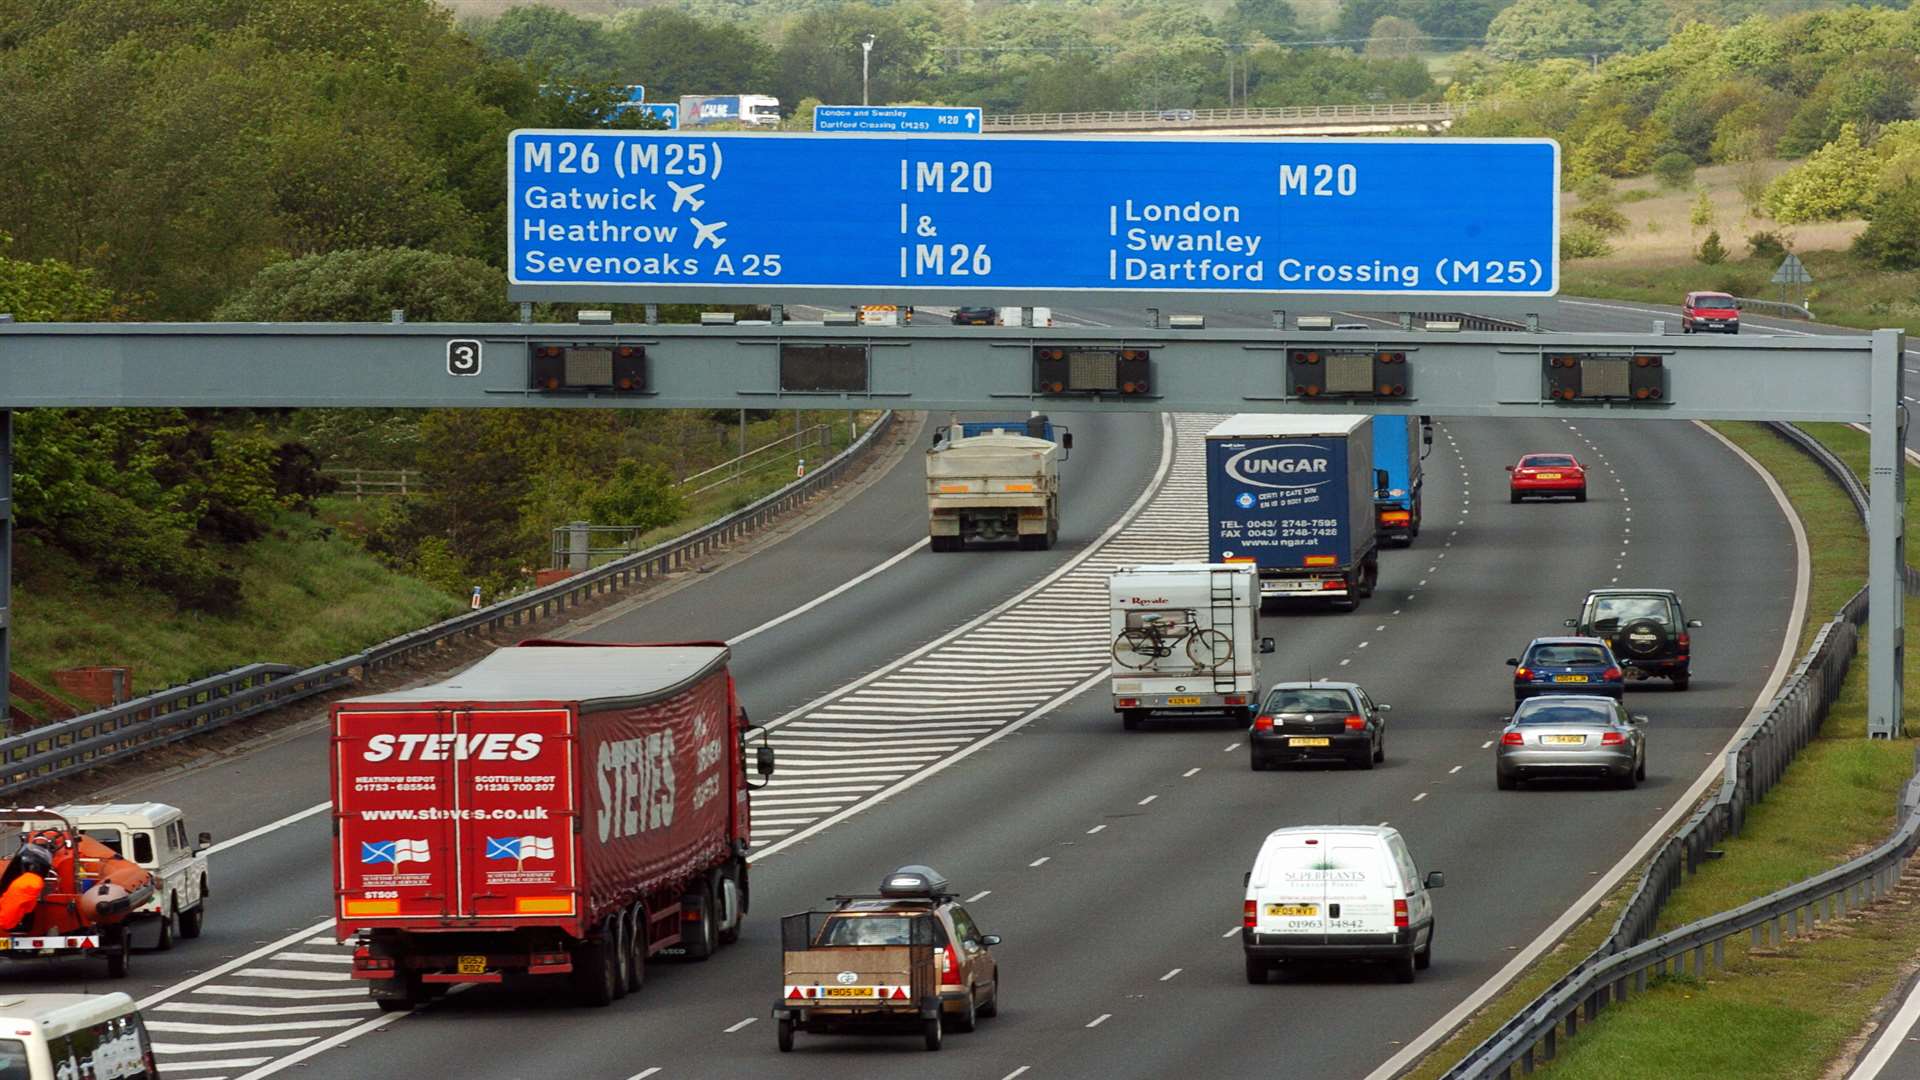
(1571,735)
(1647,629)
(908,958)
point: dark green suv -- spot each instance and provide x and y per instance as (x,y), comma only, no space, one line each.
(1645,628)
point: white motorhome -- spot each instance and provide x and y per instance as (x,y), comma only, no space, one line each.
(1186,639)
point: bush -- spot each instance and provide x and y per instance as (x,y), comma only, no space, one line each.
(1583,242)
(1834,183)
(1600,217)
(1767,245)
(1594,187)
(1674,169)
(1701,215)
(1892,239)
(1712,252)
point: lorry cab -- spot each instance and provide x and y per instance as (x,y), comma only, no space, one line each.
(154,836)
(64,1036)
(1337,892)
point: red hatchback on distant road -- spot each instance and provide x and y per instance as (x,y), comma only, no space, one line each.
(1546,476)
(1709,311)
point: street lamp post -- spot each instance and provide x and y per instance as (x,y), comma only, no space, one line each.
(866,53)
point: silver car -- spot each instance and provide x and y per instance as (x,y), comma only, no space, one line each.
(1571,735)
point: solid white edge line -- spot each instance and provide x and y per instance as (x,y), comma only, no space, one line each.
(837,590)
(252,834)
(1890,1040)
(1420,1045)
(211,974)
(1125,519)
(1913,456)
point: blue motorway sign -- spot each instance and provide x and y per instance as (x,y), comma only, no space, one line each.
(918,119)
(619,215)
(664,112)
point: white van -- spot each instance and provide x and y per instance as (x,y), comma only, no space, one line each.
(61,1036)
(1186,639)
(1337,892)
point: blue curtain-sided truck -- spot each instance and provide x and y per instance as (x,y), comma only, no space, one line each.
(1399,443)
(1293,495)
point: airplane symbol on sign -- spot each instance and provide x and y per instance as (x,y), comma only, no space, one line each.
(704,233)
(683,196)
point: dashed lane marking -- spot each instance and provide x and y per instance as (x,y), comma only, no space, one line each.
(740,1025)
(1098,1020)
(981,895)
(1189,772)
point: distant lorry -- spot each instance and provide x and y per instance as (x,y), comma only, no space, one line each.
(753,110)
(1293,495)
(1399,445)
(998,481)
(1186,639)
(559,808)
(1010,316)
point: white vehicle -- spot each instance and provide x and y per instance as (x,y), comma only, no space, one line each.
(68,1036)
(1338,892)
(1186,639)
(154,835)
(1010,316)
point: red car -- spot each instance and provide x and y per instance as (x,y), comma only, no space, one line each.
(1704,311)
(1547,475)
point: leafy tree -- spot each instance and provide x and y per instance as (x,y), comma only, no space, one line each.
(1835,182)
(1674,169)
(50,290)
(1073,86)
(673,53)
(366,285)
(1629,24)
(1767,246)
(820,52)
(1272,19)
(1583,242)
(550,41)
(1701,215)
(1393,36)
(1604,149)
(1460,20)
(1892,237)
(1601,217)
(640,495)
(1358,16)
(1711,251)
(1532,29)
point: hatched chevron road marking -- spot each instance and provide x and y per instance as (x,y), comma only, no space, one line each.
(937,704)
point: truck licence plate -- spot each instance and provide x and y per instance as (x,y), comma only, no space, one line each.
(471,965)
(847,992)
(1183,701)
(1308,742)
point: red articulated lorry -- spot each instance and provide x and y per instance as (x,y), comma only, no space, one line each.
(558,809)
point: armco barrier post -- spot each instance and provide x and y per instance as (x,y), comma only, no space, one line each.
(1886,539)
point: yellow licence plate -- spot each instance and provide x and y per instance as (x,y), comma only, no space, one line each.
(1183,701)
(471,965)
(847,991)
(1564,740)
(1569,678)
(1309,742)
(1295,910)
(1546,476)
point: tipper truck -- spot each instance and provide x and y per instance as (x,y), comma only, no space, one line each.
(1293,495)
(557,809)
(1399,444)
(995,481)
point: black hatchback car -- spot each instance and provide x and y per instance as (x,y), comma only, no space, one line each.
(1645,628)
(1318,721)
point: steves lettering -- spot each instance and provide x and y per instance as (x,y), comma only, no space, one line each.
(483,746)
(636,785)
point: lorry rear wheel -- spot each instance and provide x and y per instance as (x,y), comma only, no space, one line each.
(397,994)
(944,543)
(700,940)
(1035,542)
(1130,719)
(637,952)
(594,974)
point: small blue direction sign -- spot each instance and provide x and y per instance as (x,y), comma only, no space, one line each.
(625,214)
(914,119)
(666,113)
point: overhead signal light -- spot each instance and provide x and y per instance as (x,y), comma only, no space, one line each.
(1347,375)
(1078,370)
(1639,378)
(602,367)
